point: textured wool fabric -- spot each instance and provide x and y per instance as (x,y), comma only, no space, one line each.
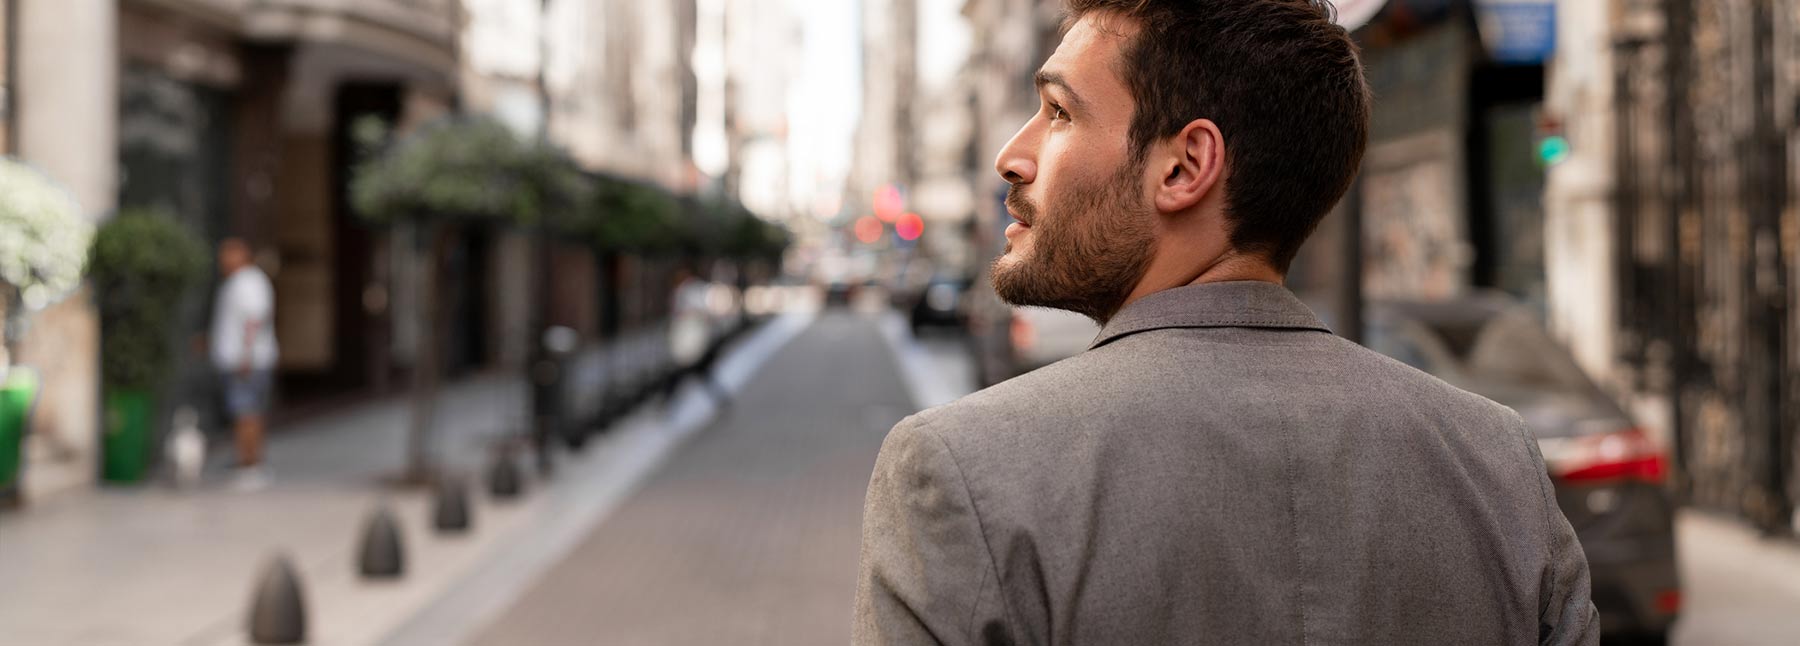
(1218,469)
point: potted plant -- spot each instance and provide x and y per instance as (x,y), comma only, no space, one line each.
(141,265)
(43,242)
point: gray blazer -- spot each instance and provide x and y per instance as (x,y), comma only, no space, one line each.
(1218,469)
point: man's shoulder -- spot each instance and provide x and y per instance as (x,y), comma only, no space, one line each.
(250,277)
(250,286)
(1120,383)
(1020,407)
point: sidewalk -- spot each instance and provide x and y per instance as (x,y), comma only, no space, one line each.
(151,566)
(1738,588)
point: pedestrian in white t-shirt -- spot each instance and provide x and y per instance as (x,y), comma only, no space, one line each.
(244,353)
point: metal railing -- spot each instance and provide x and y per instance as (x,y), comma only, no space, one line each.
(1708,238)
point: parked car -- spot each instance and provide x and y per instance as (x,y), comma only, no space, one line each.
(940,304)
(1011,341)
(1042,336)
(1608,474)
(840,294)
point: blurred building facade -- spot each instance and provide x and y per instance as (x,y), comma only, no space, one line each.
(930,132)
(1016,37)
(1448,200)
(622,88)
(611,82)
(761,59)
(885,154)
(238,117)
(247,117)
(1675,227)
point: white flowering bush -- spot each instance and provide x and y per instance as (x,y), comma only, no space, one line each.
(43,242)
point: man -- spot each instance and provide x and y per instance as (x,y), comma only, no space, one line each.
(1217,468)
(244,353)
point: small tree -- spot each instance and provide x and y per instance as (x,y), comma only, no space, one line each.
(627,216)
(469,169)
(142,264)
(755,239)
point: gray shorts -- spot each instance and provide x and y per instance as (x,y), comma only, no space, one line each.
(246,395)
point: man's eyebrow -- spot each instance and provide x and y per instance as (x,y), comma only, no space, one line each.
(1046,77)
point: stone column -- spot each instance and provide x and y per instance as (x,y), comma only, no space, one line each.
(66,96)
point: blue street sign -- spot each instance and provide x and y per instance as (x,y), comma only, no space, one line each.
(1519,32)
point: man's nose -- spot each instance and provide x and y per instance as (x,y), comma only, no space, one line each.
(1017,162)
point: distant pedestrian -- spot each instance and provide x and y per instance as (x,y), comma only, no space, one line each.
(244,354)
(692,340)
(1217,468)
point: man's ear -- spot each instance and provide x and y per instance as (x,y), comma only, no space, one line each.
(1195,161)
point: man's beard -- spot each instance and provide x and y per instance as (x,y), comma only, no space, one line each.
(1087,256)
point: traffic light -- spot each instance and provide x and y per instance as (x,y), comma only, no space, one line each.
(909,227)
(868,229)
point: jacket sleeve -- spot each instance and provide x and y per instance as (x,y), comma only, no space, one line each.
(1566,614)
(926,576)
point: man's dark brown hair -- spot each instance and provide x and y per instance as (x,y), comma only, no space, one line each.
(1282,82)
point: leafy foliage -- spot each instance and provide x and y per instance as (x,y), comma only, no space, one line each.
(475,168)
(754,237)
(142,264)
(704,222)
(470,168)
(628,216)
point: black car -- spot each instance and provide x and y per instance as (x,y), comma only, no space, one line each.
(1608,473)
(939,304)
(839,294)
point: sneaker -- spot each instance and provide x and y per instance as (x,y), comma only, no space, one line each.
(253,478)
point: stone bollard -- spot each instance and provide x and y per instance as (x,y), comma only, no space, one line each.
(450,506)
(504,480)
(381,555)
(278,611)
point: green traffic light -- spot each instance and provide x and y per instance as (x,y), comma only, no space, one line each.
(1553,150)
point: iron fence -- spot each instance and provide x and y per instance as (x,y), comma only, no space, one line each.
(1708,237)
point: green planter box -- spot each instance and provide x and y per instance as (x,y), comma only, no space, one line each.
(126,445)
(16,395)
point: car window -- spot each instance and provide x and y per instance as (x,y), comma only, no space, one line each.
(1514,349)
(1387,339)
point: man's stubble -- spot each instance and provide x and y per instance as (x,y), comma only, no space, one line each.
(1087,255)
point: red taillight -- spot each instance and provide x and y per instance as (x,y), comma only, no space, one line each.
(1623,455)
(1668,602)
(1023,336)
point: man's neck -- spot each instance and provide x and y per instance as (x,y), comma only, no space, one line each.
(1236,267)
(1228,268)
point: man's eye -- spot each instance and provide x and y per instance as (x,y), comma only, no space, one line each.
(1057,113)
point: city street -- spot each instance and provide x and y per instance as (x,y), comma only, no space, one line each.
(690,524)
(749,533)
(377,322)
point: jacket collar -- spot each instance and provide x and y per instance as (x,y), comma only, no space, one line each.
(1230,304)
